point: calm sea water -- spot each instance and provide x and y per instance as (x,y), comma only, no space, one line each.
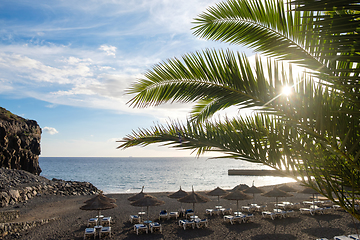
(129,174)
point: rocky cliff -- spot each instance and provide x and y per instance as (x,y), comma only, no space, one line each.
(19,142)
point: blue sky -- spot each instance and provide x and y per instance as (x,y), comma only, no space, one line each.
(67,64)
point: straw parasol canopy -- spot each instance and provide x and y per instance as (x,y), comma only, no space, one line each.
(217,192)
(240,187)
(147,201)
(253,190)
(138,196)
(276,192)
(237,195)
(99,202)
(193,198)
(102,197)
(312,191)
(179,194)
(287,188)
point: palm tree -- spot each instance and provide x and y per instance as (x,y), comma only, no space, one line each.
(314,132)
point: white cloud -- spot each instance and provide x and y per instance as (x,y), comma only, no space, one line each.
(50,130)
(110,50)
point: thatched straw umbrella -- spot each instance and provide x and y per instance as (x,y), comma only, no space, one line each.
(240,187)
(309,190)
(217,192)
(99,202)
(193,198)
(237,195)
(276,192)
(179,194)
(253,190)
(147,201)
(138,196)
(287,188)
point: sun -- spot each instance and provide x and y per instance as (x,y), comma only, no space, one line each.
(286,90)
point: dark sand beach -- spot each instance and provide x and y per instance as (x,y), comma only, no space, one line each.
(70,222)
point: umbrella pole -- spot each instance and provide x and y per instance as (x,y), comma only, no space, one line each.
(147,209)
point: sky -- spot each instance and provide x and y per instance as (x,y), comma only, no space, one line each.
(67,65)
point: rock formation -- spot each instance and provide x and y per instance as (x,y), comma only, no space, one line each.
(18,186)
(19,142)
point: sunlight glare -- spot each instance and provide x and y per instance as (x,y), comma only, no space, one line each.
(286,90)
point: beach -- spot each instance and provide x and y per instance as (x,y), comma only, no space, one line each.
(67,221)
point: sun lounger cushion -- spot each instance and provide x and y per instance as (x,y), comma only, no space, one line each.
(185,223)
(202,222)
(90,231)
(93,221)
(106,220)
(154,226)
(342,237)
(105,230)
(354,236)
(135,218)
(140,226)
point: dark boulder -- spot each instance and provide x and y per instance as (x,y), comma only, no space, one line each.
(19,142)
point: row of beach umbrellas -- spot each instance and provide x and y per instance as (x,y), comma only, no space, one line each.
(240,192)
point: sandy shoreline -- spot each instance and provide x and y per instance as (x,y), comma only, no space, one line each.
(70,222)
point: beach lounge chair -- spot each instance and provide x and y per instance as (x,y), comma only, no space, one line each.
(265,214)
(90,231)
(201,222)
(105,221)
(92,221)
(228,218)
(248,208)
(185,223)
(209,211)
(290,213)
(188,213)
(307,210)
(279,213)
(163,214)
(342,237)
(260,208)
(174,214)
(237,218)
(154,226)
(226,211)
(140,226)
(135,218)
(105,230)
(248,218)
(354,236)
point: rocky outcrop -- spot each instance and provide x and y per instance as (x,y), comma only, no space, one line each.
(18,186)
(19,142)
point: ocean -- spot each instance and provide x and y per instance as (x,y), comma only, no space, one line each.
(165,174)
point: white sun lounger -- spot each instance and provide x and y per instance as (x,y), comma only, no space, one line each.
(105,230)
(163,214)
(174,214)
(201,222)
(90,231)
(135,218)
(155,225)
(184,223)
(140,226)
(354,236)
(226,211)
(92,221)
(265,214)
(342,237)
(105,220)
